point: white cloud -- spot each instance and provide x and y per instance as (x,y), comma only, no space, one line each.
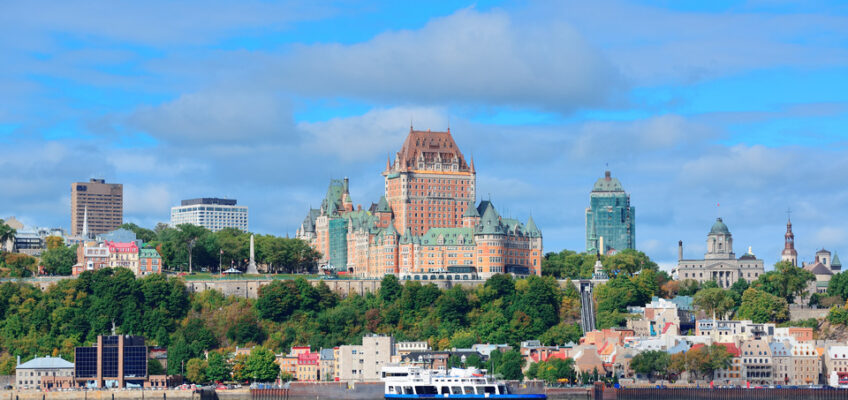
(469,56)
(208,118)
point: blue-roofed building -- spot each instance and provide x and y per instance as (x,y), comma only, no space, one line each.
(120,235)
(29,374)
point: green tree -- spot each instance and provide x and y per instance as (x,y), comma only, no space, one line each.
(651,363)
(196,370)
(7,233)
(143,234)
(762,307)
(510,365)
(838,285)
(260,366)
(278,300)
(390,289)
(463,339)
(59,260)
(627,262)
(562,333)
(218,368)
(453,306)
(786,281)
(568,264)
(715,301)
(154,367)
(554,370)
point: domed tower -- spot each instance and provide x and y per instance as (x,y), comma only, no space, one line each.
(789,253)
(719,242)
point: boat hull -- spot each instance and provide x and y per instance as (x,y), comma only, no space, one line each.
(468,396)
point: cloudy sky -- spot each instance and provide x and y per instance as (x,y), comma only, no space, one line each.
(702,109)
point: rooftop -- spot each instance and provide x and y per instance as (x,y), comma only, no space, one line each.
(46,363)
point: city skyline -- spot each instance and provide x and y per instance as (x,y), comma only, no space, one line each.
(238,103)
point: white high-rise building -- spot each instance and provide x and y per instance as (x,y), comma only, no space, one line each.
(211,213)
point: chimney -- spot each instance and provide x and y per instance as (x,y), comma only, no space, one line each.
(679,250)
(607,175)
(19,361)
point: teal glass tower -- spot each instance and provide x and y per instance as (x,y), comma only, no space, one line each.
(610,220)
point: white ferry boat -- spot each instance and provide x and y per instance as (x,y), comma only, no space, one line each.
(403,382)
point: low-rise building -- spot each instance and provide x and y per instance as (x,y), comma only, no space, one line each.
(404,348)
(807,364)
(115,361)
(734,374)
(29,375)
(836,364)
(363,362)
(783,367)
(327,364)
(733,331)
(123,255)
(757,361)
(149,262)
(308,367)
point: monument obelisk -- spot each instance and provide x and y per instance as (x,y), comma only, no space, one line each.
(251,267)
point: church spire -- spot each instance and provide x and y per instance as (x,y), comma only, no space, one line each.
(85,222)
(789,253)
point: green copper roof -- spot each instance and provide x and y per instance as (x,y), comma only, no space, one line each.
(448,237)
(334,196)
(407,236)
(383,205)
(531,228)
(607,184)
(490,223)
(719,228)
(834,262)
(471,211)
(148,253)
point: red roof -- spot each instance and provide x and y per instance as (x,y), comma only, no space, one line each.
(428,145)
(116,247)
(696,346)
(731,348)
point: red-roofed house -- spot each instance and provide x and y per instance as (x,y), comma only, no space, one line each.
(123,255)
(733,374)
(307,367)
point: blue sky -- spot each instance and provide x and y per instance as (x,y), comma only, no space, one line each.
(692,104)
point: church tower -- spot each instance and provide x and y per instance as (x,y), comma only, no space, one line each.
(789,253)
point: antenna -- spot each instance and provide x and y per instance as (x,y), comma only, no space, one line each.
(789,214)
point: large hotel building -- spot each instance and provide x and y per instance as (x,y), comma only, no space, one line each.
(426,226)
(97,203)
(211,213)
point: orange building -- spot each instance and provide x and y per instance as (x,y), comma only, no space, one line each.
(426,226)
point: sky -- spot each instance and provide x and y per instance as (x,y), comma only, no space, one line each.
(732,109)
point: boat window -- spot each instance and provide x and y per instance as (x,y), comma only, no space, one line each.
(425,390)
(469,390)
(445,390)
(408,390)
(489,389)
(456,390)
(502,389)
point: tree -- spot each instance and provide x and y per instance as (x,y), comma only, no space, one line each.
(54,242)
(786,281)
(196,370)
(761,307)
(7,233)
(452,306)
(260,366)
(714,301)
(650,363)
(688,287)
(154,367)
(568,264)
(553,370)
(143,234)
(838,285)
(59,260)
(627,262)
(390,289)
(562,333)
(218,368)
(278,300)
(510,366)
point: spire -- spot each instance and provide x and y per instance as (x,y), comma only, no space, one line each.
(388,162)
(532,230)
(383,206)
(471,166)
(789,253)
(471,211)
(835,264)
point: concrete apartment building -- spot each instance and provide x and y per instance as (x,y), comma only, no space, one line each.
(211,213)
(29,374)
(363,362)
(102,203)
(807,364)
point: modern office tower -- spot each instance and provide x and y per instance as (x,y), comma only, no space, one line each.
(114,362)
(101,202)
(211,213)
(610,220)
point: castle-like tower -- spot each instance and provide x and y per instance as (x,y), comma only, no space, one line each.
(426,226)
(789,253)
(429,184)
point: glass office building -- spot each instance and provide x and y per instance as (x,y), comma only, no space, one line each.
(116,361)
(610,220)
